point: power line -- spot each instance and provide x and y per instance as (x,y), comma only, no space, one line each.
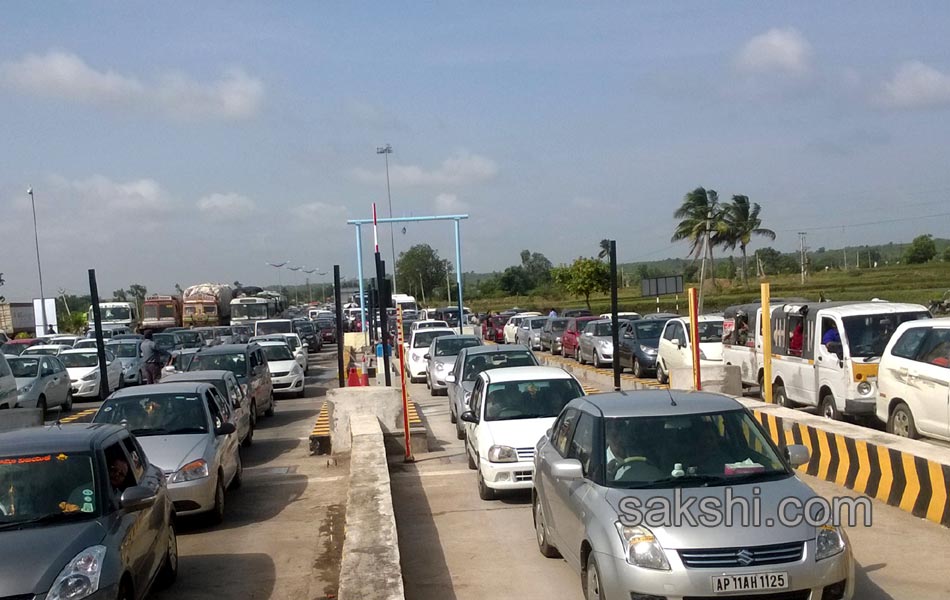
(866,224)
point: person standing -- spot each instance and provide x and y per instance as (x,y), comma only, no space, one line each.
(553,313)
(152,357)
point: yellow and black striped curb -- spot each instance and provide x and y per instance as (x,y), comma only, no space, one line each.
(81,416)
(414,419)
(912,483)
(608,371)
(320,436)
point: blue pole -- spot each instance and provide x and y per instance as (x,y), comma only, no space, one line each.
(359,274)
(458,274)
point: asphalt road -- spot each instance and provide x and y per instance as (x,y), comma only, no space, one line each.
(456,546)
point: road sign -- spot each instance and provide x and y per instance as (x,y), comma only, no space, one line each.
(661,286)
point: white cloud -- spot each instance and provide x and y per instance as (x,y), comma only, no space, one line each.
(783,51)
(915,85)
(449,203)
(462,168)
(140,198)
(321,214)
(59,74)
(227,207)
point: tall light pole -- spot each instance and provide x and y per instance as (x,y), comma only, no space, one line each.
(39,266)
(296,287)
(386,151)
(278,266)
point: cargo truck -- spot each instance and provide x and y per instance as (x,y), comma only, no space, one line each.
(115,315)
(17,317)
(207,304)
(161,312)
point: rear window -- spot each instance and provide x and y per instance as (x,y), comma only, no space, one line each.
(496,360)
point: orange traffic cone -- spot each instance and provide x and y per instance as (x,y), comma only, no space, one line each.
(364,373)
(353,379)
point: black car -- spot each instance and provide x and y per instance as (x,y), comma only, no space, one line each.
(83,514)
(308,334)
(551,334)
(639,340)
(576,312)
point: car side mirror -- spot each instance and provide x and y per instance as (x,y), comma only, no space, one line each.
(797,455)
(469,417)
(450,378)
(678,342)
(225,429)
(136,498)
(568,469)
(549,432)
(427,356)
(169,369)
(627,336)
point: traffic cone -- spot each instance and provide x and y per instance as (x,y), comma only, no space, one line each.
(364,374)
(353,379)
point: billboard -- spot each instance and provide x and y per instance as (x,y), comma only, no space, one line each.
(50,316)
(661,286)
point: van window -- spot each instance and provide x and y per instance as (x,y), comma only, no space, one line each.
(936,348)
(909,343)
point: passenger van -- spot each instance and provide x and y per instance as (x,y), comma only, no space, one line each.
(742,338)
(675,348)
(836,367)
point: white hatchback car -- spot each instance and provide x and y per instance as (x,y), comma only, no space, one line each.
(675,348)
(510,329)
(512,408)
(416,349)
(83,368)
(285,371)
(913,379)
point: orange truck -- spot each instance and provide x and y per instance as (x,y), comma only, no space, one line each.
(207,304)
(161,312)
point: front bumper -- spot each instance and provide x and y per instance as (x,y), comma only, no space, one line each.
(508,476)
(191,497)
(417,370)
(437,382)
(860,406)
(85,389)
(807,577)
(288,384)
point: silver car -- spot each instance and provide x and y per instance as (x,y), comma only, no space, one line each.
(471,362)
(595,344)
(227,384)
(41,382)
(529,332)
(129,353)
(440,359)
(638,491)
(187,430)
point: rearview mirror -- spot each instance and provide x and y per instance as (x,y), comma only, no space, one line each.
(137,497)
(427,356)
(225,429)
(797,455)
(567,469)
(450,378)
(678,342)
(469,417)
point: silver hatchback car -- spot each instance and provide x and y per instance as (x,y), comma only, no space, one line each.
(639,493)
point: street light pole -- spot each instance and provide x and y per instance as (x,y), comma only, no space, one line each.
(39,266)
(386,151)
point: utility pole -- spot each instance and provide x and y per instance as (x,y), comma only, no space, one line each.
(802,235)
(386,151)
(39,266)
(845,251)
(706,250)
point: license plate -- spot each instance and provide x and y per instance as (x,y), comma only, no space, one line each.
(726,584)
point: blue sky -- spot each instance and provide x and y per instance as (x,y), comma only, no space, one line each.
(177,146)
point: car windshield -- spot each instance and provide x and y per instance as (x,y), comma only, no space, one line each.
(422,339)
(206,334)
(115,313)
(499,321)
(42,351)
(869,334)
(304,328)
(190,337)
(14,349)
(246,311)
(165,341)
(281,352)
(79,359)
(268,327)
(538,399)
(85,344)
(156,414)
(668,451)
(123,350)
(24,367)
(234,362)
(222,331)
(601,329)
(325,324)
(451,347)
(477,363)
(537,323)
(709,331)
(648,329)
(559,325)
(46,487)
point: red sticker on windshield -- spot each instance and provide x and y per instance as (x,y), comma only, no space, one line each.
(25,460)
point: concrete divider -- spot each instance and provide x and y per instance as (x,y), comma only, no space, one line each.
(370,567)
(383,402)
(720,379)
(18,418)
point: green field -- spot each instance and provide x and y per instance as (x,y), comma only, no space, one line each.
(897,283)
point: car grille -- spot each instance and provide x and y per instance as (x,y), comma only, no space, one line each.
(523,475)
(284,374)
(525,454)
(756,556)
(280,386)
(797,595)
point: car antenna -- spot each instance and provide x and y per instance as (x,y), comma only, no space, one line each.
(672,400)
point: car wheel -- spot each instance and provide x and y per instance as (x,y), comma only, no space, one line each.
(452,417)
(485,492)
(169,572)
(68,404)
(217,512)
(124,592)
(780,397)
(471,459)
(540,531)
(828,409)
(592,589)
(302,392)
(249,438)
(238,480)
(459,432)
(661,375)
(41,404)
(901,422)
(580,356)
(637,369)
(596,357)
(270,408)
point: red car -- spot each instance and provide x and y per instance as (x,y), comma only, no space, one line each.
(569,339)
(493,329)
(17,346)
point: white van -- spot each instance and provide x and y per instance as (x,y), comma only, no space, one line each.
(742,338)
(272,326)
(675,349)
(914,380)
(836,366)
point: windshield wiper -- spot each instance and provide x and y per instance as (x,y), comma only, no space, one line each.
(145,432)
(182,430)
(50,518)
(760,476)
(705,480)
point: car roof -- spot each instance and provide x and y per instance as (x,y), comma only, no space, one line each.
(494,348)
(507,374)
(79,351)
(654,403)
(432,330)
(455,337)
(204,376)
(226,348)
(47,346)
(64,437)
(701,319)
(271,343)
(175,387)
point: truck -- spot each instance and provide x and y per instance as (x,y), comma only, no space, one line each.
(115,315)
(161,312)
(206,304)
(17,317)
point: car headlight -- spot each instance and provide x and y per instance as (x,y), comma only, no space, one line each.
(439,366)
(702,355)
(91,376)
(297,370)
(557,339)
(501,454)
(864,388)
(80,578)
(196,469)
(415,357)
(642,548)
(26,389)
(829,542)
(647,349)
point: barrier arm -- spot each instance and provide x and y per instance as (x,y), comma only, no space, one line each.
(766,344)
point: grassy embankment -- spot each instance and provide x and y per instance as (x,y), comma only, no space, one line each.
(897,283)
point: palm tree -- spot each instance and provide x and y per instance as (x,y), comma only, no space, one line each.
(699,207)
(604,248)
(741,221)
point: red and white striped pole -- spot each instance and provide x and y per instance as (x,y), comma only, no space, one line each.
(375,234)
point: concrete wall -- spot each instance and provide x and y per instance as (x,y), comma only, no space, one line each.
(345,403)
(370,567)
(721,379)
(17,418)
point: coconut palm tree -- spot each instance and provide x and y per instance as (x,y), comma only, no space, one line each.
(699,207)
(740,222)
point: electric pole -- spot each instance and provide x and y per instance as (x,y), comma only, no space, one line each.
(802,236)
